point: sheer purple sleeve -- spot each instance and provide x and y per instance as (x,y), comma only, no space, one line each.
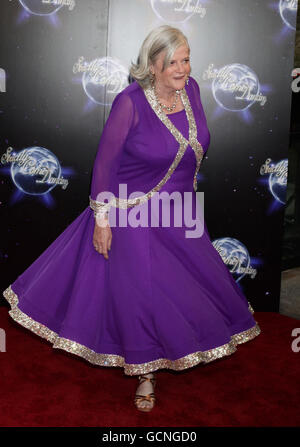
(205,133)
(109,152)
(197,95)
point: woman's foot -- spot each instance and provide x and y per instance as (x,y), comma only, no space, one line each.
(144,396)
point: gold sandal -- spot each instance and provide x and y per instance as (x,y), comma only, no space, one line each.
(149,397)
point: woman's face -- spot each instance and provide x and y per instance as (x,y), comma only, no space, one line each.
(176,73)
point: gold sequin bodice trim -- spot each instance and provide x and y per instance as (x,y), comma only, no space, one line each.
(130,369)
(183,144)
(193,133)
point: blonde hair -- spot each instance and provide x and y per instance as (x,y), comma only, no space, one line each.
(163,38)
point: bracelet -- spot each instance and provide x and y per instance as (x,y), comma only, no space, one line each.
(100,208)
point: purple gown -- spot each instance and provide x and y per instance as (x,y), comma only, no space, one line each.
(161,300)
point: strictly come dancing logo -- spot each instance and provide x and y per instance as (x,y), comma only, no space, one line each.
(174,209)
(288,12)
(235,87)
(101,79)
(177,11)
(46,7)
(276,174)
(236,256)
(34,170)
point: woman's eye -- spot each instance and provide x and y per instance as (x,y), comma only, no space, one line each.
(173,62)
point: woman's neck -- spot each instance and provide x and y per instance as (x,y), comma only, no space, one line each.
(166,94)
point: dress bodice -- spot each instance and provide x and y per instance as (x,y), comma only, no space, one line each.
(144,148)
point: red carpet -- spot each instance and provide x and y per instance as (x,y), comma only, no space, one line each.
(258,385)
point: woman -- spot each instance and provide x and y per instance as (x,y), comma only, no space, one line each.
(155,298)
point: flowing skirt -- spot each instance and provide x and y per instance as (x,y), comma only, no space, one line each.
(161,300)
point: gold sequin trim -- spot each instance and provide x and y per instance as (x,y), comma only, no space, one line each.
(95,358)
(183,144)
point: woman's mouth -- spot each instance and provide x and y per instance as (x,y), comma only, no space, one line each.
(180,77)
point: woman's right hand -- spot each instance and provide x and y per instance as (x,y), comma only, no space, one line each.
(102,236)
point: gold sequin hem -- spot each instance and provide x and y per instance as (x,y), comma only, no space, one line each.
(113,360)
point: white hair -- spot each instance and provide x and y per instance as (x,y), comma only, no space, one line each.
(163,38)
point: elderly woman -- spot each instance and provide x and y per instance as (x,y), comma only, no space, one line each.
(117,288)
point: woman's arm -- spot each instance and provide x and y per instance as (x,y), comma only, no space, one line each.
(109,152)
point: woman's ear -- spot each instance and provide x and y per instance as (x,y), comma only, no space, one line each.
(151,69)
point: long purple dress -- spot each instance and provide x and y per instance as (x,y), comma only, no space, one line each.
(162,299)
